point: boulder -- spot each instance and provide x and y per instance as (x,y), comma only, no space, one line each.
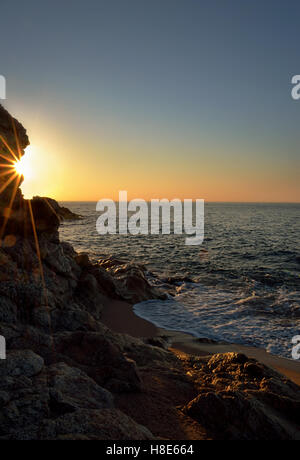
(107,424)
(67,386)
(21,363)
(130,281)
(241,399)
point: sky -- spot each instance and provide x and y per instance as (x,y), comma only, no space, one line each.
(164,99)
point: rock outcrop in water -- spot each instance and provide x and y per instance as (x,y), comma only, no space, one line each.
(62,212)
(67,376)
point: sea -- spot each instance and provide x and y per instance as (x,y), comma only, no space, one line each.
(242,285)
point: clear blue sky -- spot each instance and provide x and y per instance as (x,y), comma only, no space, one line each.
(191,91)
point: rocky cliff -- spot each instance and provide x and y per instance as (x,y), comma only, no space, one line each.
(67,376)
(13,141)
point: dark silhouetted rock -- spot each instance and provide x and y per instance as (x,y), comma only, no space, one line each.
(61,212)
(13,141)
(130,281)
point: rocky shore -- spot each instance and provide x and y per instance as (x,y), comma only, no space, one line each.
(68,376)
(62,212)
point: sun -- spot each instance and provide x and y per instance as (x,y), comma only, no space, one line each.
(22,167)
(19,167)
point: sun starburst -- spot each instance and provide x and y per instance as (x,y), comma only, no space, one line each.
(22,167)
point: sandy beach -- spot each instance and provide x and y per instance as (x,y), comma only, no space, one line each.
(120,317)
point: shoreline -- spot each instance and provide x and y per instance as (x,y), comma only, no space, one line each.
(119,316)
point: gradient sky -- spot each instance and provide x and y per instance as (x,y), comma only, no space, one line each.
(162,98)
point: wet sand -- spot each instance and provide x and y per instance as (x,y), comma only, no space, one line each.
(119,317)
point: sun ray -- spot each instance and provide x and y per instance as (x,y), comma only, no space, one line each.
(17,139)
(14,168)
(5,165)
(9,149)
(38,252)
(36,240)
(51,207)
(9,208)
(6,158)
(6,184)
(6,173)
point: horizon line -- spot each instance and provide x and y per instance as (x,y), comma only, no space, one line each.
(206,201)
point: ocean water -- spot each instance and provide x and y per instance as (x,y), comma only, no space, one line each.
(241,285)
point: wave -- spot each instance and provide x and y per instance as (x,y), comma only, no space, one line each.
(267,320)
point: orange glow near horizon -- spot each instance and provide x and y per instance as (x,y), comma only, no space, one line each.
(74,168)
(64,178)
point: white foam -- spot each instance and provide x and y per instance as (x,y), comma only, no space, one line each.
(222,315)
